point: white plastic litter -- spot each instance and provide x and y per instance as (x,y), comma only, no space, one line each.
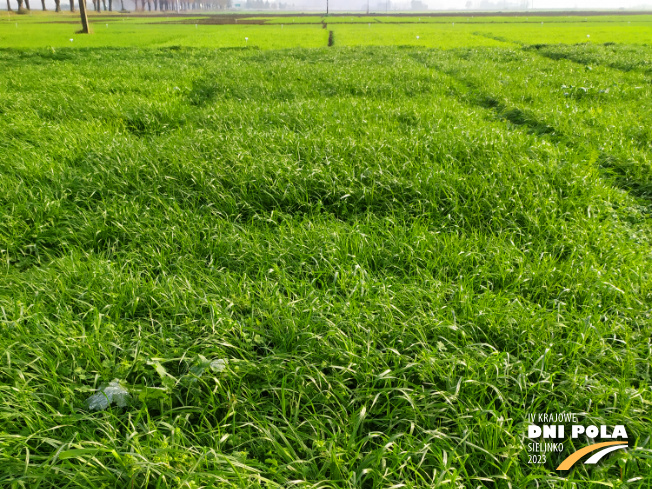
(219,365)
(112,393)
(216,365)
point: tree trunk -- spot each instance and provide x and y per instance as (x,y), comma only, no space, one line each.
(104,4)
(57,4)
(72,5)
(27,5)
(43,5)
(84,17)
(8,6)
(110,5)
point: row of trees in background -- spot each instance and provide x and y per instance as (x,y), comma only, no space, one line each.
(142,5)
(177,5)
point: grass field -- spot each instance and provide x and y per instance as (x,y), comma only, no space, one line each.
(48,30)
(348,267)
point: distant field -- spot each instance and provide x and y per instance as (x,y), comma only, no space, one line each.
(358,266)
(275,32)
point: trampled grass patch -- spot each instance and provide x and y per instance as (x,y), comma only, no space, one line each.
(333,267)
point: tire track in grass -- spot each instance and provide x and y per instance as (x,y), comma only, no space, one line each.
(613,168)
(471,94)
(557,52)
(497,38)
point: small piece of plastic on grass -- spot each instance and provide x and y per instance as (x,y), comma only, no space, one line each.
(104,397)
(219,365)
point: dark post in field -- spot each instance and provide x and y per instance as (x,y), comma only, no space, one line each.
(84,17)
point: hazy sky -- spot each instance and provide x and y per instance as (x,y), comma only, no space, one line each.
(562,4)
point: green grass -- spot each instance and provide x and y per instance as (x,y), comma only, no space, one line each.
(424,18)
(572,33)
(41,30)
(422,35)
(133,33)
(400,252)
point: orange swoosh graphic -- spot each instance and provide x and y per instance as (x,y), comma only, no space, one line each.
(574,457)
